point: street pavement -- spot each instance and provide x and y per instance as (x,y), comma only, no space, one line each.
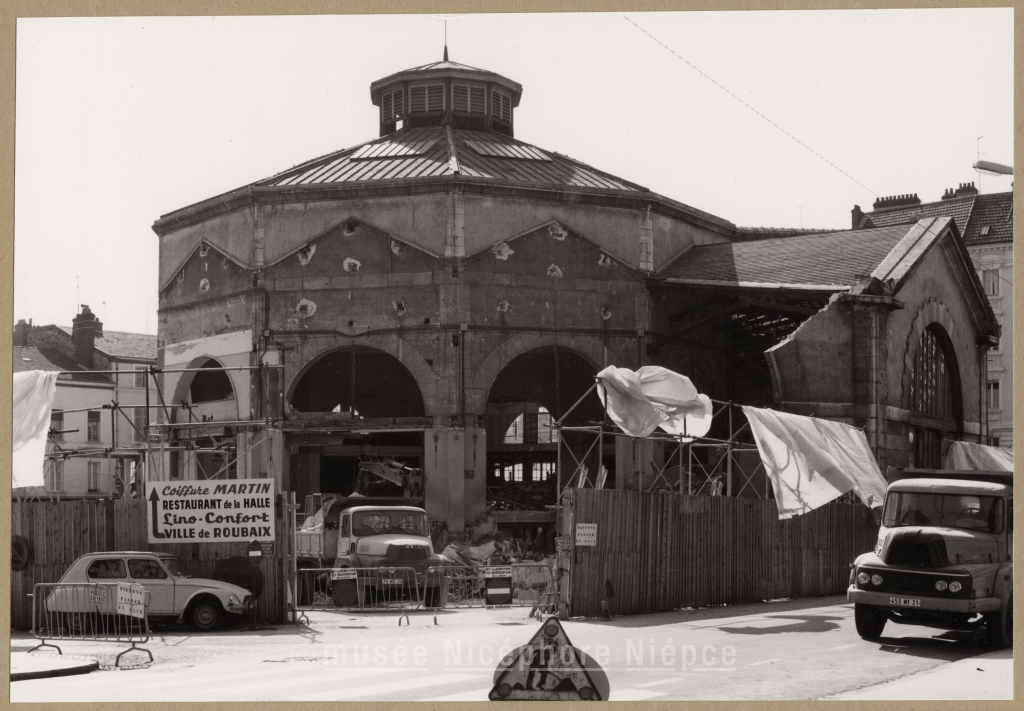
(800,649)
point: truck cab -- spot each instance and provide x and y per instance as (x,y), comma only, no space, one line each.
(943,557)
(372,537)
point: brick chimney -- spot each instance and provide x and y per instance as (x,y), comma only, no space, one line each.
(905,200)
(21,331)
(85,329)
(966,189)
(856,216)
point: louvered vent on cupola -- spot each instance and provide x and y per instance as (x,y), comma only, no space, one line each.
(392,106)
(469,99)
(501,106)
(426,98)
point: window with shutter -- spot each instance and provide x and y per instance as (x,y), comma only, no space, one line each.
(435,97)
(477,100)
(501,106)
(418,100)
(392,105)
(460,98)
(424,98)
(469,99)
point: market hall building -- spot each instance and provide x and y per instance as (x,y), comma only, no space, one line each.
(441,294)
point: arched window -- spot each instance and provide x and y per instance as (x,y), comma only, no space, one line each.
(531,428)
(934,396)
(210,385)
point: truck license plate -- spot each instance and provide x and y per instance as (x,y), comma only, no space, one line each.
(905,601)
(392,581)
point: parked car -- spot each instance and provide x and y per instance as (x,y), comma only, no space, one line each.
(171,594)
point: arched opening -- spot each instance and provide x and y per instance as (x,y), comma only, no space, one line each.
(207,396)
(358,392)
(528,396)
(364,382)
(936,399)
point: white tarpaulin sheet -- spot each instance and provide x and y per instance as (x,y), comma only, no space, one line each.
(812,461)
(652,397)
(33,400)
(978,457)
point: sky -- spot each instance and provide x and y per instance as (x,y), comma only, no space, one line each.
(771,119)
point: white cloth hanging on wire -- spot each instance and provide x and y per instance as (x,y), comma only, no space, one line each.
(978,457)
(643,400)
(33,402)
(812,461)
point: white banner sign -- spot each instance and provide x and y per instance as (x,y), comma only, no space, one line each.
(498,571)
(343,574)
(586,534)
(211,511)
(131,600)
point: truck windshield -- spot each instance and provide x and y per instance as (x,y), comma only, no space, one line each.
(370,523)
(975,513)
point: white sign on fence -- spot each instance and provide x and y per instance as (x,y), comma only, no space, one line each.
(343,574)
(586,534)
(131,600)
(497,571)
(232,511)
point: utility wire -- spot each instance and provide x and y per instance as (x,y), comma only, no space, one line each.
(780,128)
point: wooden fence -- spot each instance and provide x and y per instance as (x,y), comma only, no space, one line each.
(665,552)
(58,532)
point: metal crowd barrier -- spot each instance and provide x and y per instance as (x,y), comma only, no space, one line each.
(358,589)
(402,588)
(532,585)
(90,612)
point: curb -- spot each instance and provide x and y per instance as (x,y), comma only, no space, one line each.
(81,668)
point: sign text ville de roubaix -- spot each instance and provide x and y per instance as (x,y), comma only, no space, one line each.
(235,511)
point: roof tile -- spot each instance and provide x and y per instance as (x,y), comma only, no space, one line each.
(830,258)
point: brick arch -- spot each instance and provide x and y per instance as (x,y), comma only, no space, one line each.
(406,354)
(931,311)
(589,348)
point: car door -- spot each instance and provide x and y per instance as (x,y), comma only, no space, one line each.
(103,571)
(148,573)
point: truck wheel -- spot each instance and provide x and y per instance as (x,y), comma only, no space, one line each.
(999,626)
(870,620)
(432,597)
(205,616)
(345,593)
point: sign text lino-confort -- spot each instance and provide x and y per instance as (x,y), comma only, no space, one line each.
(211,512)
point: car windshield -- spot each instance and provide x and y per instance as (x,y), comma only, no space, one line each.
(174,567)
(369,523)
(975,513)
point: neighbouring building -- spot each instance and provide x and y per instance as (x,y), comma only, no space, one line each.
(986,223)
(93,447)
(441,294)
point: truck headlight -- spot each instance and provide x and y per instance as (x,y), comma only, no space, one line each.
(940,585)
(863,578)
(876,579)
(954,587)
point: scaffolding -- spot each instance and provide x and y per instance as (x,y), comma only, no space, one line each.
(161,432)
(697,475)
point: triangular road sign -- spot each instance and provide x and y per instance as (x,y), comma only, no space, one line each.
(547,668)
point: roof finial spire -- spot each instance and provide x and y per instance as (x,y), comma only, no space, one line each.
(446,53)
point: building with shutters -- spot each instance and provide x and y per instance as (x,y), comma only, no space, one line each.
(93,446)
(445,291)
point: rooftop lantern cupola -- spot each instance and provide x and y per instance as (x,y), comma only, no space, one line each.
(446,93)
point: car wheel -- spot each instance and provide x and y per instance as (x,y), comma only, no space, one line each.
(205,616)
(870,620)
(999,626)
